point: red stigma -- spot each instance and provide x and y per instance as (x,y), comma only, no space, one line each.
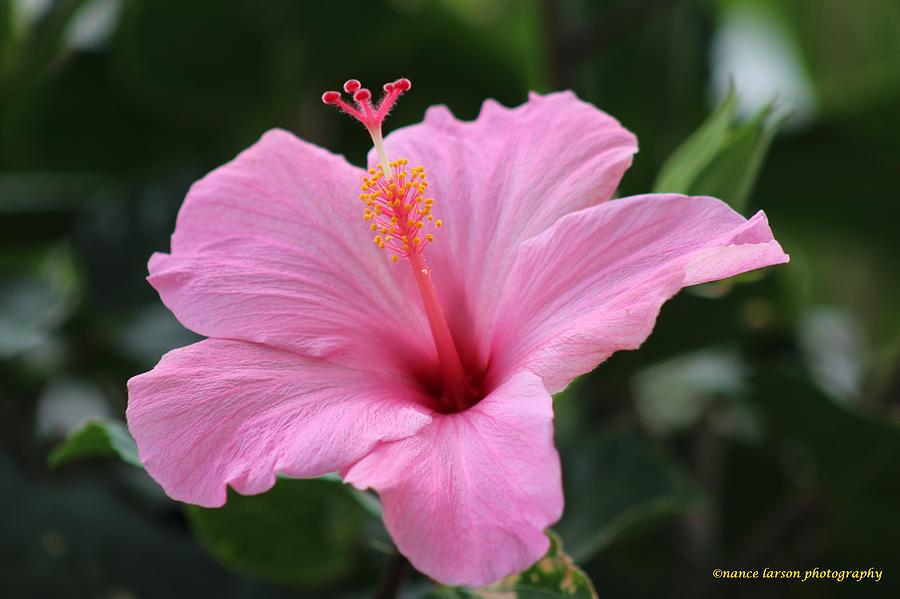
(331,97)
(370,116)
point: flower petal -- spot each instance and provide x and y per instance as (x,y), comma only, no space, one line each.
(467,499)
(272,248)
(220,413)
(594,283)
(504,178)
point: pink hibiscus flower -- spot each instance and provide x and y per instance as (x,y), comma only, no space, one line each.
(431,384)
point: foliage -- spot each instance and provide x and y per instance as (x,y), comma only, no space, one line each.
(638,487)
(301,532)
(554,576)
(747,430)
(97,438)
(722,158)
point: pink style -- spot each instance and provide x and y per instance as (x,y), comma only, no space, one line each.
(430,384)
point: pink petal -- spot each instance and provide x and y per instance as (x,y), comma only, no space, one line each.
(220,413)
(467,499)
(501,179)
(272,248)
(594,283)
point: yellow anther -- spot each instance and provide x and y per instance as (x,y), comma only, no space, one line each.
(397,207)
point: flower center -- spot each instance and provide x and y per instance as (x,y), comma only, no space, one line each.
(403,221)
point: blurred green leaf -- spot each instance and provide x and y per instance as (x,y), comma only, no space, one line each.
(37,49)
(733,171)
(68,538)
(864,71)
(99,437)
(44,191)
(554,575)
(695,153)
(6,30)
(34,301)
(614,482)
(678,393)
(723,157)
(302,533)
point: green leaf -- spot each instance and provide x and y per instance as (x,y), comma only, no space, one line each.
(554,575)
(40,46)
(301,533)
(6,31)
(734,170)
(616,481)
(723,157)
(98,437)
(696,152)
(678,393)
(35,300)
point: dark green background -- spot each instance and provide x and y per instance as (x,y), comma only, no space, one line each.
(757,427)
